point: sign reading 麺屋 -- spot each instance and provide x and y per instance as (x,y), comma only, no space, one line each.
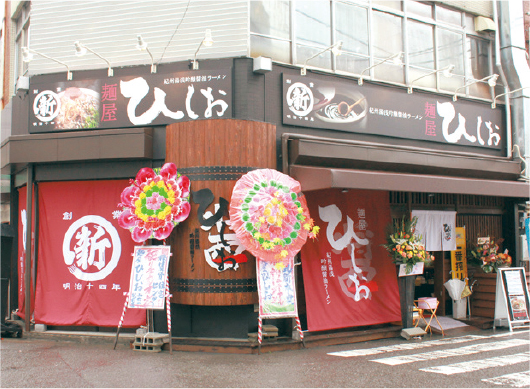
(370,109)
(113,102)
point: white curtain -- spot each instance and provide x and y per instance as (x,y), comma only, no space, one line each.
(437,229)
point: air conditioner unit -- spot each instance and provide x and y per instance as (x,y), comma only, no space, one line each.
(262,65)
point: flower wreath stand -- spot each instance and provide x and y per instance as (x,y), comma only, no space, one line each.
(156,201)
(269,216)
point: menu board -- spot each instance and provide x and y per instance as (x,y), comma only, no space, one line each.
(517,296)
(512,295)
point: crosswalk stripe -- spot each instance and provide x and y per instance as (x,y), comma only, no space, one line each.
(465,350)
(509,333)
(417,345)
(465,367)
(517,380)
(406,346)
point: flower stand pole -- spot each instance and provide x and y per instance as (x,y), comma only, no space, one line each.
(408,253)
(406,298)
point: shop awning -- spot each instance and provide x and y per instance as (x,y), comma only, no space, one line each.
(314,178)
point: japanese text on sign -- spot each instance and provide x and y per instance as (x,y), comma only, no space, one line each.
(148,277)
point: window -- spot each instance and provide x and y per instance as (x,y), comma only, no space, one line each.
(478,57)
(351,24)
(448,16)
(387,41)
(270,24)
(450,50)
(313,32)
(420,37)
(21,24)
(431,36)
(419,9)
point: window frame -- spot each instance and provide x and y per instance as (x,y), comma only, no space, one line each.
(21,23)
(407,17)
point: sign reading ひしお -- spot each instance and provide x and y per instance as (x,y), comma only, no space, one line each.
(127,101)
(343,105)
(349,279)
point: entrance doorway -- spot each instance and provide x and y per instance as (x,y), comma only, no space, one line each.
(480,215)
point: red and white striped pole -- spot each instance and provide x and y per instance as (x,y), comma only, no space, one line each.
(168,310)
(121,318)
(299,326)
(260,333)
(260,329)
(124,309)
(168,306)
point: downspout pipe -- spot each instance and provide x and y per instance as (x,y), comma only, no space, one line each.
(498,66)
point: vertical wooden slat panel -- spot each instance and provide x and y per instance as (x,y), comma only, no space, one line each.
(208,143)
(480,226)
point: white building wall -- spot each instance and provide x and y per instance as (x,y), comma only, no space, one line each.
(481,8)
(173,31)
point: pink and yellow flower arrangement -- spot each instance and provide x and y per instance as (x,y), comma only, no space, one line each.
(270,215)
(155,202)
(485,254)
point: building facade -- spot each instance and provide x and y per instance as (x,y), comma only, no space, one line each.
(425,108)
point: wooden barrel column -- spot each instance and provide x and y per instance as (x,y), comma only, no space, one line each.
(214,154)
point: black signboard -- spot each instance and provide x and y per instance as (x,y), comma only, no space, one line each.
(114,102)
(344,105)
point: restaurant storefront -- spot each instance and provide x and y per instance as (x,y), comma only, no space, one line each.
(364,155)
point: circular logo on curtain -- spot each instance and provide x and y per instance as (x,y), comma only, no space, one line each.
(91,248)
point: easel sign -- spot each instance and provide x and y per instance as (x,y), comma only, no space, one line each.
(148,277)
(512,302)
(149,286)
(276,294)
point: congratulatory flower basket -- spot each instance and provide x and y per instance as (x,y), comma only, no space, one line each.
(404,246)
(485,254)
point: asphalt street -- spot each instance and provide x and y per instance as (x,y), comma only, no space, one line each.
(480,359)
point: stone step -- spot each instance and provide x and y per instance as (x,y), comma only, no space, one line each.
(269,331)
